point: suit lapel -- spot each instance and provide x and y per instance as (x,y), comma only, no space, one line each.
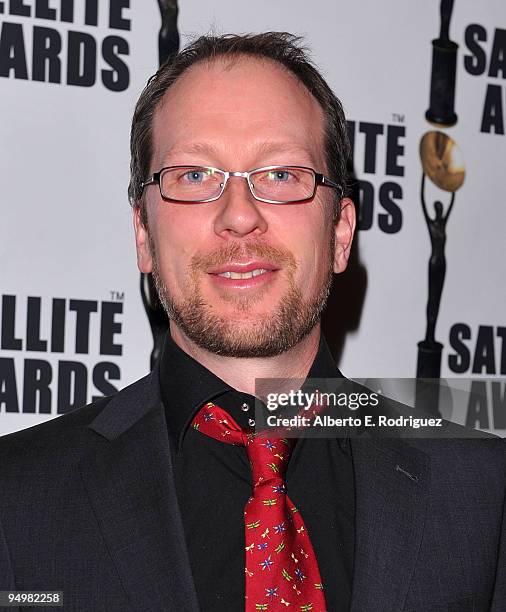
(391,484)
(129,479)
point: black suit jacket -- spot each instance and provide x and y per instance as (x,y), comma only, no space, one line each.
(88,507)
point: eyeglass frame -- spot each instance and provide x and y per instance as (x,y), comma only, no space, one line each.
(318,179)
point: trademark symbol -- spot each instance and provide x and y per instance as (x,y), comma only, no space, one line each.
(117,296)
(398,118)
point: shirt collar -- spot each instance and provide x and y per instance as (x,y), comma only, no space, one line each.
(186,385)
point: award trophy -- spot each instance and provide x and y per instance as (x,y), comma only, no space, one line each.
(444,69)
(168,38)
(168,44)
(442,164)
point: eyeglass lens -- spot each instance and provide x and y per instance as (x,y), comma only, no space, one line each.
(197,183)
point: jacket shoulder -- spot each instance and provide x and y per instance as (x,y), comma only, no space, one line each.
(63,431)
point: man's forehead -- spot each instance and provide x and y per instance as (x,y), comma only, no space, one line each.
(270,113)
(255,104)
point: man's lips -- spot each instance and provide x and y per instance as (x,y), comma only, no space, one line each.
(244,267)
(243,275)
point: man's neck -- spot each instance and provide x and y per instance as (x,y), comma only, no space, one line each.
(240,373)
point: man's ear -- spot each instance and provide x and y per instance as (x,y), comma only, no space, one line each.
(344,230)
(144,259)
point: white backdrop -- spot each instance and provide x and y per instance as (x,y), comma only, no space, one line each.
(65,227)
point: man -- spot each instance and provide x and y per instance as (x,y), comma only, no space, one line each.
(238,187)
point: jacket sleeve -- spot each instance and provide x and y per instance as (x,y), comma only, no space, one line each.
(499,598)
(6,575)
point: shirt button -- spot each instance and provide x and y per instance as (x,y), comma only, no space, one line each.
(245,407)
(251,422)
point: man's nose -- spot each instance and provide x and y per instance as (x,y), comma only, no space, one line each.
(239,213)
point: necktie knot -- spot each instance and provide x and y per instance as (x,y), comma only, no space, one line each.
(268,456)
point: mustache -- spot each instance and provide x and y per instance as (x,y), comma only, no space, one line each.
(234,252)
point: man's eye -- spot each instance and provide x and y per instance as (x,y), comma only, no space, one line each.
(279,175)
(194,176)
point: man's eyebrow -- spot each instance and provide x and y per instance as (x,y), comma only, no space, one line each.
(261,148)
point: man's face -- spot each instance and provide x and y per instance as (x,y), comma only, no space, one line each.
(239,117)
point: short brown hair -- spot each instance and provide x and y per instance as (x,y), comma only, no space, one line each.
(281,47)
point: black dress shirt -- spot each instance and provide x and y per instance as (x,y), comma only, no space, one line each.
(213,483)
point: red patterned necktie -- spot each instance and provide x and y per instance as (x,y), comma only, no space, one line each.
(281,568)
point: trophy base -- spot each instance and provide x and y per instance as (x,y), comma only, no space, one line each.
(428,371)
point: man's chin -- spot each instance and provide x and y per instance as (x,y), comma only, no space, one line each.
(268,335)
(241,343)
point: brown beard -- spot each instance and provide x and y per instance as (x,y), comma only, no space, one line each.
(291,321)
